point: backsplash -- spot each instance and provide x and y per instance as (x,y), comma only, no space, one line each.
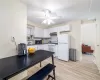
(46,40)
(54,39)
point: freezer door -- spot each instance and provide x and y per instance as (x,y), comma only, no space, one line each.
(63,52)
(63,38)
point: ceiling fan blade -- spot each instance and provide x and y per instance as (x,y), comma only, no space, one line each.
(55,17)
(44,22)
(48,22)
(51,22)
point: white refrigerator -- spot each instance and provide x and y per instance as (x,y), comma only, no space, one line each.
(63,47)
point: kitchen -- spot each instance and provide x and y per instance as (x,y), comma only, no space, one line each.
(55,39)
(53,29)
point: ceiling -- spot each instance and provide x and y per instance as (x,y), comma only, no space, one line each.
(67,10)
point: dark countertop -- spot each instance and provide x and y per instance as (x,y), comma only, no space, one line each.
(36,44)
(10,66)
(41,44)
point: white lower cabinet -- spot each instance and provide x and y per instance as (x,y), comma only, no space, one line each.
(46,47)
(54,48)
(40,47)
(56,51)
(43,47)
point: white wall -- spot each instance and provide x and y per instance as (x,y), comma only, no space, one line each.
(13,21)
(88,34)
(76,37)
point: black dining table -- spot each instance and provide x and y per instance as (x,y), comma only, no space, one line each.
(13,65)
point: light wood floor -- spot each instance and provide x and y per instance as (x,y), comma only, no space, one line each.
(84,70)
(80,70)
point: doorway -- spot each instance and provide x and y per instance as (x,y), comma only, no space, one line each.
(88,41)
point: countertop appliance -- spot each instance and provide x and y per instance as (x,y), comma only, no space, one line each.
(38,41)
(22,49)
(30,42)
(63,46)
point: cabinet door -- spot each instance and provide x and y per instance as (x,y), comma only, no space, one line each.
(30,30)
(55,29)
(64,28)
(46,47)
(38,32)
(46,33)
(40,47)
(41,32)
(56,51)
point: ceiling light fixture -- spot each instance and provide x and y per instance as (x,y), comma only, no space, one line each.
(48,19)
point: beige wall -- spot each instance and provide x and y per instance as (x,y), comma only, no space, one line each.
(13,21)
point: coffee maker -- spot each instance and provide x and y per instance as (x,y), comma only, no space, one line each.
(22,49)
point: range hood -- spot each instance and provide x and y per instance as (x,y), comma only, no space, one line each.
(53,34)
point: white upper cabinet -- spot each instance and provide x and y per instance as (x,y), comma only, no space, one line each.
(55,29)
(64,28)
(51,30)
(38,32)
(60,29)
(46,33)
(30,30)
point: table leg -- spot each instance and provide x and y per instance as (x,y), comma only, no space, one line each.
(40,64)
(54,68)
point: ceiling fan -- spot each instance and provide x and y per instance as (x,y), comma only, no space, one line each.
(49,17)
